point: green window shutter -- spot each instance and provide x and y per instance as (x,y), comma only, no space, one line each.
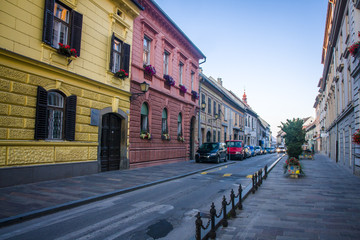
(48,21)
(76,28)
(41,126)
(70,118)
(164,113)
(144,109)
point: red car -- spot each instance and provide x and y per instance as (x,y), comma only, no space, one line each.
(235,149)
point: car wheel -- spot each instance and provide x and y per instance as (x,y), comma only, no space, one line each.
(218,159)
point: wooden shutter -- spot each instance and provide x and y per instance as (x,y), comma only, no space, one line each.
(76,28)
(48,21)
(70,117)
(125,61)
(41,125)
(112,52)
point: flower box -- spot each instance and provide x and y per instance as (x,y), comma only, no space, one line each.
(67,51)
(122,74)
(293,167)
(194,95)
(183,89)
(165,136)
(169,80)
(181,139)
(145,135)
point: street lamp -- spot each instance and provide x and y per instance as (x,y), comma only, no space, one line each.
(203,106)
(144,87)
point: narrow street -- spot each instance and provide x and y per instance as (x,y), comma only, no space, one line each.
(167,209)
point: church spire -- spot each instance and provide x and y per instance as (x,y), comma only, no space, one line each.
(244,97)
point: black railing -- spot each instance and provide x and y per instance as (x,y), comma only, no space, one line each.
(257,179)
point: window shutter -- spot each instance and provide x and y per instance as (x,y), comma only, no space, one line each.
(112,52)
(76,27)
(70,118)
(125,57)
(48,21)
(41,114)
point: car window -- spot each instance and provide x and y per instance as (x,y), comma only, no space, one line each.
(209,146)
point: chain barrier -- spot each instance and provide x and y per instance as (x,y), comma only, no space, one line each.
(256,178)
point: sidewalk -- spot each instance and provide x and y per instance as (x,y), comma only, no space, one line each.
(324,204)
(35,199)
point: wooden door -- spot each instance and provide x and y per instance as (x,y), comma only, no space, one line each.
(110,142)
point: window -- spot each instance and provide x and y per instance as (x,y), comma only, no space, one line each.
(119,55)
(192,80)
(214,135)
(55,115)
(226,114)
(209,105)
(166,62)
(219,109)
(146,53)
(164,124)
(181,67)
(62,25)
(144,124)
(225,129)
(214,109)
(218,136)
(179,129)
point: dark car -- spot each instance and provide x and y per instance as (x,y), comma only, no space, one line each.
(211,152)
(235,149)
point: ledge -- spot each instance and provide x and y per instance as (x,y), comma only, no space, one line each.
(47,143)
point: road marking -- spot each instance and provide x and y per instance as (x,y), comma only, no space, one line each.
(227,174)
(249,176)
(218,169)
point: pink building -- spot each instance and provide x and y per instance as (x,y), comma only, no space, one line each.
(163,121)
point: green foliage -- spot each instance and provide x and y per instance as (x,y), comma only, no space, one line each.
(295,136)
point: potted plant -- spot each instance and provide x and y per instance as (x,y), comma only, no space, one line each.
(145,135)
(353,49)
(122,74)
(183,89)
(149,70)
(169,80)
(181,138)
(165,136)
(356,137)
(293,167)
(194,94)
(294,139)
(67,51)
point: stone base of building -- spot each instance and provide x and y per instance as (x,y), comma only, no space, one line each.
(29,174)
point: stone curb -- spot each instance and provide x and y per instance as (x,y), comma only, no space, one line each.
(60,207)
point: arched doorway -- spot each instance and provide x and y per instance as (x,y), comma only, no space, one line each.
(110,142)
(208,136)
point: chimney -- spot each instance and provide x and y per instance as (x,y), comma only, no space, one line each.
(219,81)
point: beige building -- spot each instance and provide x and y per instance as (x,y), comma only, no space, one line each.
(64,109)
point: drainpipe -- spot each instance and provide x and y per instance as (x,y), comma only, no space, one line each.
(337,112)
(199,118)
(203,61)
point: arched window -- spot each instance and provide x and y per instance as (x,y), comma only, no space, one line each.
(164,122)
(179,129)
(208,136)
(144,128)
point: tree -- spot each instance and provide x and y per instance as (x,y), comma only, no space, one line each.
(295,136)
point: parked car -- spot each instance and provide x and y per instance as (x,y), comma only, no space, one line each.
(258,150)
(235,149)
(252,150)
(280,150)
(211,152)
(247,152)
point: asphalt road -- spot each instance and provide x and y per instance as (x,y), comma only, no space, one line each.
(164,211)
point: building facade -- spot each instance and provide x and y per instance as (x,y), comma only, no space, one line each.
(59,92)
(337,103)
(163,126)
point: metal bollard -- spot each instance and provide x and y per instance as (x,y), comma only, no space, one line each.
(232,196)
(253,183)
(240,197)
(266,167)
(198,224)
(256,181)
(224,221)
(212,233)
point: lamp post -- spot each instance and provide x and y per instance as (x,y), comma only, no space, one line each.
(144,87)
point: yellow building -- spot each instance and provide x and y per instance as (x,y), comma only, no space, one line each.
(64,110)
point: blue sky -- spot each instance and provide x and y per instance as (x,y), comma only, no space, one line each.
(270,48)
